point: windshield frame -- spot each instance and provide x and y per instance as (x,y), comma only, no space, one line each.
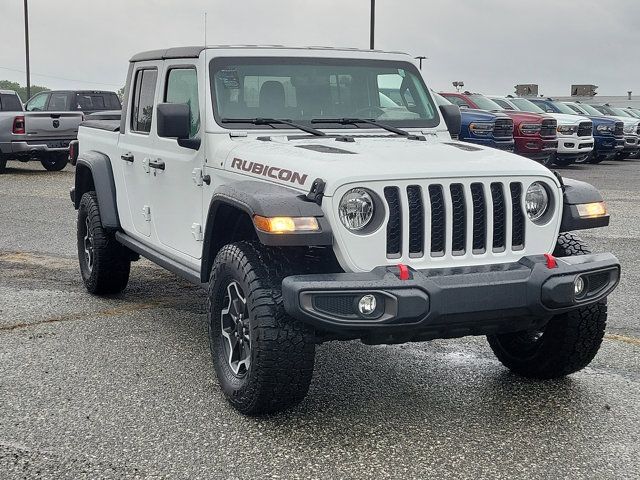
(218,63)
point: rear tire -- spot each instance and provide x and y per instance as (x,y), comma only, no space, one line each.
(55,162)
(263,358)
(104,263)
(568,343)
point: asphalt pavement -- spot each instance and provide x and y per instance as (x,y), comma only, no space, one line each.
(123,387)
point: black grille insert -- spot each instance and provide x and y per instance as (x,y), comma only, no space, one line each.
(499,217)
(479,218)
(394,226)
(458,211)
(585,129)
(438,220)
(517,217)
(548,128)
(416,221)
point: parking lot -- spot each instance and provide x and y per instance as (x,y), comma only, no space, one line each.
(123,386)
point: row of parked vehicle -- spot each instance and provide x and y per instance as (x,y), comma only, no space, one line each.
(547,130)
(43,128)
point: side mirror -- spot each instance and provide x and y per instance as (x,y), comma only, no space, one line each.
(173,120)
(453,119)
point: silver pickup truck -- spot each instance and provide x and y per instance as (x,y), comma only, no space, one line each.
(35,135)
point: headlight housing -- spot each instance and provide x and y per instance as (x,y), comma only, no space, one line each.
(356,209)
(606,128)
(481,129)
(630,128)
(567,129)
(530,128)
(536,201)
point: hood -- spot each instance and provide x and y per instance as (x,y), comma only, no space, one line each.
(526,117)
(566,119)
(469,116)
(297,161)
(601,120)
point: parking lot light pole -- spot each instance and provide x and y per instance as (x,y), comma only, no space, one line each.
(372,27)
(26,45)
(421,58)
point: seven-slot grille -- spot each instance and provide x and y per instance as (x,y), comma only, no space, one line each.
(585,129)
(455,219)
(548,128)
(503,128)
(619,132)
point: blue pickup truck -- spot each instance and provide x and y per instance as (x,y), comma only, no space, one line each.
(490,129)
(607,132)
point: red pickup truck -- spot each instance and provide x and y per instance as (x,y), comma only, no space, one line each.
(535,135)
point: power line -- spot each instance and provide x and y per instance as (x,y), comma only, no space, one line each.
(60,78)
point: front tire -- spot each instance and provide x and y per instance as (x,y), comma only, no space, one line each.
(55,162)
(3,165)
(104,263)
(567,344)
(262,357)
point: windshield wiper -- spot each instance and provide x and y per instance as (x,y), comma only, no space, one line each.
(356,121)
(274,121)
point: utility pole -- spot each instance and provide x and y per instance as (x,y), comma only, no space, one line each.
(372,28)
(421,58)
(26,44)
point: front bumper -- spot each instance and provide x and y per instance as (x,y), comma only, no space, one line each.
(445,303)
(574,146)
(631,143)
(501,144)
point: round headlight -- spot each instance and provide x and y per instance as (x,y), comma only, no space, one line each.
(536,201)
(356,209)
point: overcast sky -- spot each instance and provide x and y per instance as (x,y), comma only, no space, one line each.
(490,44)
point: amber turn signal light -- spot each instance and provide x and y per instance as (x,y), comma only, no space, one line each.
(286,224)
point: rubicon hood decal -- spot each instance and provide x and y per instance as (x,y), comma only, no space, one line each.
(269,171)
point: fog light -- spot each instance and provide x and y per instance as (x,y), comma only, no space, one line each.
(578,286)
(367,305)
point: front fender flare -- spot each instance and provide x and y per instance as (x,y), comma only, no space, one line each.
(99,167)
(575,193)
(267,200)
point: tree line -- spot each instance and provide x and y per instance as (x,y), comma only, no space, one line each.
(20,90)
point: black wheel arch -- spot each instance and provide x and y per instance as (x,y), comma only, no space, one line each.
(576,192)
(231,212)
(94,172)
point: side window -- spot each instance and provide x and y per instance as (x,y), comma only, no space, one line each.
(37,103)
(10,103)
(182,87)
(142,105)
(59,102)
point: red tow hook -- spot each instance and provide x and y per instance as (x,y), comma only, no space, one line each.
(403,271)
(551,261)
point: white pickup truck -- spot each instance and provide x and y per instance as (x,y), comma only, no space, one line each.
(35,135)
(314,210)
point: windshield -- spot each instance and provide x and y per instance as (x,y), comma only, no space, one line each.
(575,108)
(562,108)
(305,89)
(619,112)
(590,110)
(484,103)
(526,105)
(440,100)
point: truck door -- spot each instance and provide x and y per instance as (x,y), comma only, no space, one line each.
(137,147)
(177,186)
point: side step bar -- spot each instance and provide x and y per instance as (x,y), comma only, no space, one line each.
(183,271)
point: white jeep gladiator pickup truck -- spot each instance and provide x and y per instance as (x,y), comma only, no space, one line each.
(313,210)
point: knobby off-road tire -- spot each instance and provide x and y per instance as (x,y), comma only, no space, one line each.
(272,369)
(104,263)
(55,162)
(567,343)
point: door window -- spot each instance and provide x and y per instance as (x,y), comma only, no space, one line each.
(37,103)
(182,87)
(142,106)
(59,102)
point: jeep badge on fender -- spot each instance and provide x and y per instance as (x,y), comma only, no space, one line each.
(314,209)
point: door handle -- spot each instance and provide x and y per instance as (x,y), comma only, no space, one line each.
(158,164)
(127,157)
